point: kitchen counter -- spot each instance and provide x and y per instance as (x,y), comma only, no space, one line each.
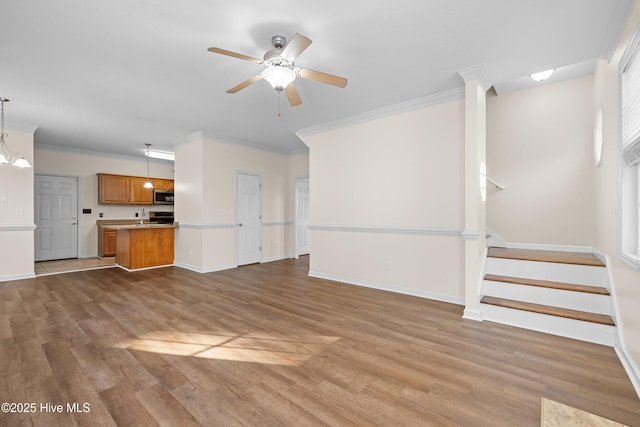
(138,226)
(149,245)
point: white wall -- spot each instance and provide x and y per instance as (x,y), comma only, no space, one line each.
(206,170)
(539,146)
(85,166)
(16,210)
(387,202)
(626,280)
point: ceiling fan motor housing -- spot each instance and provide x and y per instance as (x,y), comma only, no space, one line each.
(278,41)
(273,57)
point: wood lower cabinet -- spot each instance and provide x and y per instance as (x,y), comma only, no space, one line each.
(128,190)
(107,242)
(145,247)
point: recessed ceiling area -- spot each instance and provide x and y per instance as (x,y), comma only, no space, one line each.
(111,75)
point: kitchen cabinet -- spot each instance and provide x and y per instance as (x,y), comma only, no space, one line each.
(163,184)
(113,189)
(138,195)
(107,242)
(128,190)
(144,247)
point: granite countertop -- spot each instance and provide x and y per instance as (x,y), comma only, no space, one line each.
(144,226)
(121,224)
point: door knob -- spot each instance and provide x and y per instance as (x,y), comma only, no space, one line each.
(240,225)
(73,223)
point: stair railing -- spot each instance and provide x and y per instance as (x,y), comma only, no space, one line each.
(498,186)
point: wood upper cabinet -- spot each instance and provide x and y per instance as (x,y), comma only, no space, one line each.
(128,190)
(159,184)
(113,189)
(138,195)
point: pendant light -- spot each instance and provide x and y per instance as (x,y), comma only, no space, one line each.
(148,184)
(5,154)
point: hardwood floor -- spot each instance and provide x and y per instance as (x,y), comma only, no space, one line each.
(42,268)
(267,345)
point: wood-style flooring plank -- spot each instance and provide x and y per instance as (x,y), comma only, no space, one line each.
(579,258)
(267,345)
(553,311)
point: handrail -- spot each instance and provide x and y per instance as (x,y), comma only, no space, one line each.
(498,186)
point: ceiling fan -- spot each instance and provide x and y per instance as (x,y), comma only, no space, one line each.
(279,69)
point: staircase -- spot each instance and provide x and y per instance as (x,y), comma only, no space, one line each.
(561,293)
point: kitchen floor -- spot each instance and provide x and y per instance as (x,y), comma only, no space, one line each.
(43,268)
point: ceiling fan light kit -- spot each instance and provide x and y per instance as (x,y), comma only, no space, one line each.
(279,68)
(279,76)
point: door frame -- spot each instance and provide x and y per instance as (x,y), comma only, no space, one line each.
(79,207)
(259,176)
(297,179)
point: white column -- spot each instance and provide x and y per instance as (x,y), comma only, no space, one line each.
(474,234)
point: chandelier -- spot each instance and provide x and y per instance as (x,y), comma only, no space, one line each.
(5,154)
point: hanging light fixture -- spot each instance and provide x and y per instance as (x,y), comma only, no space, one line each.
(542,75)
(5,154)
(148,184)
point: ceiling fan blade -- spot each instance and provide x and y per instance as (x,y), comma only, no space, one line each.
(318,76)
(245,83)
(292,95)
(295,47)
(235,55)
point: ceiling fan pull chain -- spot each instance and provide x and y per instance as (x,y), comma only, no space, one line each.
(279,97)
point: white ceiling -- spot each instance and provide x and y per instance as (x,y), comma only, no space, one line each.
(110,75)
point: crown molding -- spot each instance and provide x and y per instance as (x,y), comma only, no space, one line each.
(21,127)
(403,107)
(476,72)
(197,136)
(616,27)
(97,153)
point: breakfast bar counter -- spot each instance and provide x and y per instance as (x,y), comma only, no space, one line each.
(144,246)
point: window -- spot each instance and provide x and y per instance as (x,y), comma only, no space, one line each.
(629,220)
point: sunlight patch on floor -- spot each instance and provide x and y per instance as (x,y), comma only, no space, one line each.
(255,348)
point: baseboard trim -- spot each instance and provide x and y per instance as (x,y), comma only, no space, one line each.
(472,315)
(544,247)
(204,269)
(629,366)
(133,270)
(21,276)
(274,258)
(384,287)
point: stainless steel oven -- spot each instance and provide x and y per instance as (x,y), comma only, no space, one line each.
(161,217)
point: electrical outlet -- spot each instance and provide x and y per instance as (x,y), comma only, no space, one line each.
(387,266)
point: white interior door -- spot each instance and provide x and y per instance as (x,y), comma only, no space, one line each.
(249,219)
(56,217)
(302,216)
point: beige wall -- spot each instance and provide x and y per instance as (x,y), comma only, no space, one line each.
(381,192)
(85,166)
(16,210)
(206,171)
(539,146)
(626,280)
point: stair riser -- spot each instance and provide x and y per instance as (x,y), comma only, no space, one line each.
(569,273)
(554,297)
(570,328)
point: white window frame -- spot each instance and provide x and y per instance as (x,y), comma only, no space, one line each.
(628,176)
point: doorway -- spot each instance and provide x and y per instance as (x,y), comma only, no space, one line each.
(301,216)
(249,208)
(56,217)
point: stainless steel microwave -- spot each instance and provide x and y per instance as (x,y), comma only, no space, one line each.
(163,197)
